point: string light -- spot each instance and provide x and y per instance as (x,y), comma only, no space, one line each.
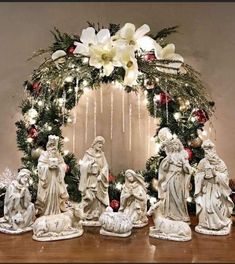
(66,139)
(85,60)
(29,140)
(177,115)
(66,152)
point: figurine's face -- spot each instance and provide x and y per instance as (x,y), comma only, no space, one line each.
(24,179)
(98,146)
(129,177)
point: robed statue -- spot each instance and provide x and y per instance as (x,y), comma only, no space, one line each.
(52,194)
(213,204)
(94,182)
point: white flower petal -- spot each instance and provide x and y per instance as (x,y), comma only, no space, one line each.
(127,31)
(108,68)
(130,77)
(146,43)
(95,62)
(141,31)
(168,49)
(81,49)
(103,35)
(88,36)
(58,54)
(157,50)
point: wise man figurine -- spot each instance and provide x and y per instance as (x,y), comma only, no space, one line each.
(52,195)
(94,183)
(213,204)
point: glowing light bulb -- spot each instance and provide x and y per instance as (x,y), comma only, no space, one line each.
(69,120)
(118,186)
(177,115)
(157,79)
(66,152)
(85,60)
(85,82)
(30,140)
(157,98)
(152,200)
(40,103)
(193,119)
(66,139)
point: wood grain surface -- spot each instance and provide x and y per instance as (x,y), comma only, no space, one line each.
(139,247)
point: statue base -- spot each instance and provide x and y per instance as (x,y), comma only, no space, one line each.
(222,232)
(140,225)
(91,223)
(154,233)
(7,229)
(107,233)
(55,236)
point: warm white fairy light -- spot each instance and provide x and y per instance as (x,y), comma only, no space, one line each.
(66,139)
(157,79)
(187,102)
(177,115)
(29,140)
(85,83)
(68,79)
(40,103)
(66,152)
(157,98)
(189,199)
(193,119)
(152,200)
(69,120)
(85,60)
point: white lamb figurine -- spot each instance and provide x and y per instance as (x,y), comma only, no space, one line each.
(115,223)
(60,226)
(166,228)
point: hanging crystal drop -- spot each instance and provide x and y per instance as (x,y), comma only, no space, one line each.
(130,127)
(111,123)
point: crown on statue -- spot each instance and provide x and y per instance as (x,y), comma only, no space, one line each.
(208,144)
(53,140)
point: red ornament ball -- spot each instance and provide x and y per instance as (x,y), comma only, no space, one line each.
(36,86)
(32,132)
(164,98)
(66,168)
(150,56)
(190,153)
(201,116)
(71,49)
(114,204)
(112,178)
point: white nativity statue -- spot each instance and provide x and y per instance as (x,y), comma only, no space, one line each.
(174,181)
(94,182)
(19,211)
(115,223)
(213,204)
(60,226)
(133,201)
(52,195)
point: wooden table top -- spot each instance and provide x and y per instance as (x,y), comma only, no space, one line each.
(139,247)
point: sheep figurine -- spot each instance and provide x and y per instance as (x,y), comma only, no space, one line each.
(115,223)
(59,226)
(166,228)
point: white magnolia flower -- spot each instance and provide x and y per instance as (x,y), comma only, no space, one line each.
(129,35)
(104,55)
(89,38)
(168,53)
(129,63)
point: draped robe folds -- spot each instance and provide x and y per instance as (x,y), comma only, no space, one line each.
(52,192)
(213,204)
(174,180)
(18,201)
(94,191)
(133,202)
